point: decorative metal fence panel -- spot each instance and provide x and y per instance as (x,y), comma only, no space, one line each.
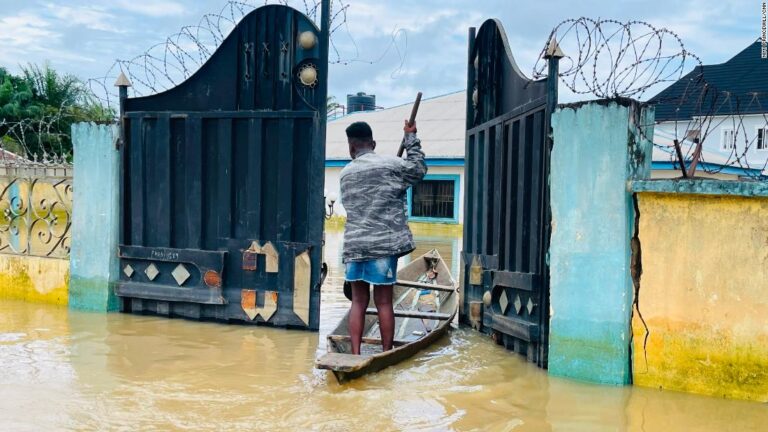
(506,229)
(222,194)
(36,206)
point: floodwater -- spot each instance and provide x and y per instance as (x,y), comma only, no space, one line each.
(64,370)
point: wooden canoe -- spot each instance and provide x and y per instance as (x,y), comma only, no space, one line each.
(425,301)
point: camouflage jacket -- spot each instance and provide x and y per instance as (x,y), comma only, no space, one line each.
(373,193)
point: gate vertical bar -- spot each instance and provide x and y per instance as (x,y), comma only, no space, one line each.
(468,141)
(122,84)
(325,29)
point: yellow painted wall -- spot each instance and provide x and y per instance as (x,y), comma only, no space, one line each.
(34,279)
(704,295)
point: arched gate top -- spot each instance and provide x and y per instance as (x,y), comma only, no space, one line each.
(258,66)
(499,86)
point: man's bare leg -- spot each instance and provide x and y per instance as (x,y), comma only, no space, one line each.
(361,296)
(382,296)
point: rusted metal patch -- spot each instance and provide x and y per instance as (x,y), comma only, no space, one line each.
(212,278)
(250,258)
(248,302)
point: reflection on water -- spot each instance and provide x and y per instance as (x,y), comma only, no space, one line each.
(79,371)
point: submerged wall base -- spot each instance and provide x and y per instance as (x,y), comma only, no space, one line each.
(704,289)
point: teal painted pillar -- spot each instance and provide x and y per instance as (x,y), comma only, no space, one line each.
(597,149)
(95,201)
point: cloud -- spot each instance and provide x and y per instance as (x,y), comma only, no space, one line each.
(86,16)
(84,37)
(153,9)
(40,36)
(715,30)
(25,29)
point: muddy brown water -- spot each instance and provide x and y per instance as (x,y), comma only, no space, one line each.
(65,370)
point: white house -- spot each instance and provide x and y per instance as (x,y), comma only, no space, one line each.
(735,139)
(731,117)
(439,198)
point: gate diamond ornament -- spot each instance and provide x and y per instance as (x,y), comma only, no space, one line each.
(530,306)
(503,301)
(128,270)
(151,272)
(181,274)
(518,304)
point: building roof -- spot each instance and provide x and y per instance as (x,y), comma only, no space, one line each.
(441,127)
(738,86)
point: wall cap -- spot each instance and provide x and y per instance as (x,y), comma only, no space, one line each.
(618,100)
(744,188)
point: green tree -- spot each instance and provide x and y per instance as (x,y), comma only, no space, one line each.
(38,108)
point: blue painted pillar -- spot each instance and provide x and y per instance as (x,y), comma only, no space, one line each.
(95,210)
(597,149)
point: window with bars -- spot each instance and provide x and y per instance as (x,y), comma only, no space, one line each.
(762,138)
(728,140)
(434,199)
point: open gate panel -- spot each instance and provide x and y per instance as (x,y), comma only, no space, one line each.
(506,230)
(222,180)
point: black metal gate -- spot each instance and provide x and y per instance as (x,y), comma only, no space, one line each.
(222,180)
(506,223)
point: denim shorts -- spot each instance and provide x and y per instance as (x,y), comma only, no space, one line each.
(382,271)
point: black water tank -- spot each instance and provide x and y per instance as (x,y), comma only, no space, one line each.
(360,102)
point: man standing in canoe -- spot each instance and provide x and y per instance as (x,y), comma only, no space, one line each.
(373,192)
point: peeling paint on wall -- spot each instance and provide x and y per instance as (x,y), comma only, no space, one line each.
(704,294)
(597,148)
(95,218)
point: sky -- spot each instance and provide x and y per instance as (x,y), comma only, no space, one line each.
(390,48)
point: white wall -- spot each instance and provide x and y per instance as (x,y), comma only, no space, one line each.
(332,185)
(746,129)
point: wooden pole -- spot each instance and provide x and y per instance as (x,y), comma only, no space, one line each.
(680,158)
(412,119)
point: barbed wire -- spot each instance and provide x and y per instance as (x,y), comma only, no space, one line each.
(31,141)
(723,120)
(616,59)
(166,64)
(607,58)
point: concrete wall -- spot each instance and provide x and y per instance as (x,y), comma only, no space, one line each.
(596,150)
(94,262)
(33,262)
(34,279)
(704,288)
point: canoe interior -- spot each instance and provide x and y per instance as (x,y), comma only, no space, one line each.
(430,269)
